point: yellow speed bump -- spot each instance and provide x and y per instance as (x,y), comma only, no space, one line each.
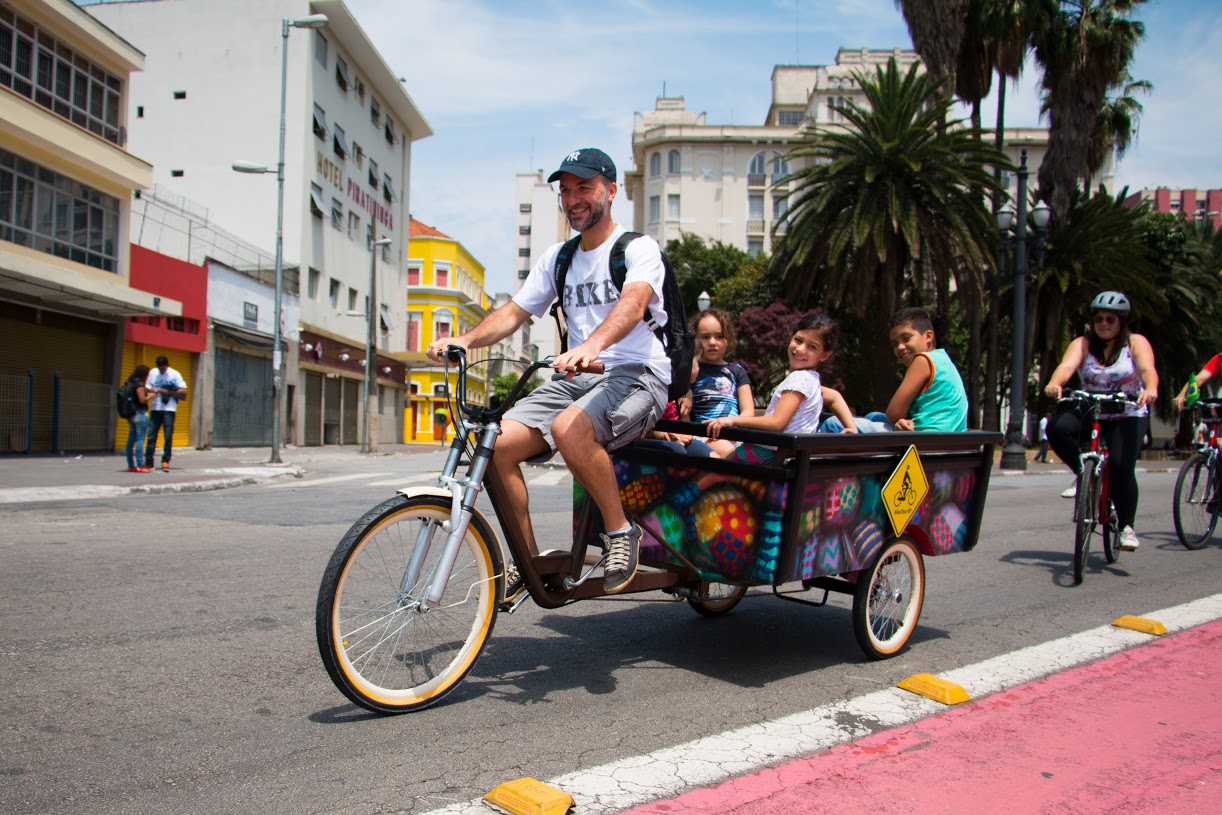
(528,796)
(1143,624)
(935,688)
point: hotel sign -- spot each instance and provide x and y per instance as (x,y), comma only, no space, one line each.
(368,201)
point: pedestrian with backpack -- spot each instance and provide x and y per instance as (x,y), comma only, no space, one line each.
(133,406)
(617,318)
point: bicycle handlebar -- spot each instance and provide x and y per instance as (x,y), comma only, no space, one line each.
(1097,399)
(458,355)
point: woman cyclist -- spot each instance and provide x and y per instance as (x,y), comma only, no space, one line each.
(1108,359)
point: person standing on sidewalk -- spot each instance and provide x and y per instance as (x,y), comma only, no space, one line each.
(1042,455)
(138,424)
(584,415)
(168,386)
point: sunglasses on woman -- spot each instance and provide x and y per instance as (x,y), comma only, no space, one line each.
(1106,319)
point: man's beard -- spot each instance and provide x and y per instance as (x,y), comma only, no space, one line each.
(596,213)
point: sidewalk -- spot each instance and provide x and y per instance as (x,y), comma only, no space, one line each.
(31,478)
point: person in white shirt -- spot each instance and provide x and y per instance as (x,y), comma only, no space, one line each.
(165,387)
(584,415)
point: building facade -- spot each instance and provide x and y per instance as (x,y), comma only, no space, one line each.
(446,298)
(1196,205)
(540,223)
(730,183)
(66,184)
(349,127)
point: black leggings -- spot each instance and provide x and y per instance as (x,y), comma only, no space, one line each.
(1124,436)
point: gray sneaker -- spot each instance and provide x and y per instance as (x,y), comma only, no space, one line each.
(622,554)
(514,584)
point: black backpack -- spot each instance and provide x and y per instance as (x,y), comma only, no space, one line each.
(675,337)
(125,399)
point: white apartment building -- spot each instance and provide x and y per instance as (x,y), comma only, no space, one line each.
(210,96)
(66,184)
(540,224)
(728,183)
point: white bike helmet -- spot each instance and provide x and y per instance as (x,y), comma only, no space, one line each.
(1110,301)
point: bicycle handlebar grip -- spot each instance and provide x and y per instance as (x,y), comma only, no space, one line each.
(455,353)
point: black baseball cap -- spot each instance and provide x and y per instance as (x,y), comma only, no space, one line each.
(586,163)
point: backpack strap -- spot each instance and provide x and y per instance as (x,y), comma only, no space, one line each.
(564,259)
(619,273)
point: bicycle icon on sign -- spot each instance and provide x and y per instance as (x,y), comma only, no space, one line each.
(906,494)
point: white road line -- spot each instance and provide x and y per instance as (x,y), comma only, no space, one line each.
(549,477)
(407,480)
(672,771)
(316,482)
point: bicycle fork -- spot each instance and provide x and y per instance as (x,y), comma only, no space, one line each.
(463,494)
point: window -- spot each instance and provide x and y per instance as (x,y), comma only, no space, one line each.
(320,48)
(339,143)
(413,275)
(523,251)
(755,247)
(390,132)
(755,207)
(180,95)
(655,164)
(441,327)
(341,73)
(38,66)
(375,112)
(524,230)
(176,173)
(441,278)
(320,123)
(523,207)
(388,189)
(780,207)
(333,293)
(358,153)
(790,118)
(57,215)
(672,207)
(316,201)
(314,278)
(523,274)
(354,226)
(373,173)
(337,213)
(780,168)
(414,318)
(672,162)
(351,299)
(360,90)
(655,208)
(756,165)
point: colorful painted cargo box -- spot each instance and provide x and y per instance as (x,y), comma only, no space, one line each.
(826,508)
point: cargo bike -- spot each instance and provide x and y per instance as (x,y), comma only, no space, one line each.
(411,594)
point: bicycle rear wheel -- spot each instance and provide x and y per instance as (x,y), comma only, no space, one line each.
(1195,509)
(888,598)
(1087,501)
(381,646)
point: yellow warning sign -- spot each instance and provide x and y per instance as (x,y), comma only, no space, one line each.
(905,490)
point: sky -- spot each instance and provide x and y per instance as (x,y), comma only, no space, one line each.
(511,86)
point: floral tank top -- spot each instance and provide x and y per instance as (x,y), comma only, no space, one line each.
(1121,375)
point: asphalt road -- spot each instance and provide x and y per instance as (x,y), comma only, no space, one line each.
(157,652)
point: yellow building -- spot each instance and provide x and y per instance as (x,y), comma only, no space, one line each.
(445,298)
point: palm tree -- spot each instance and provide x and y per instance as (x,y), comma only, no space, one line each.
(1116,124)
(1084,51)
(936,28)
(887,202)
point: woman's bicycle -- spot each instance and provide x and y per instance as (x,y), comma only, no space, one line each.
(1195,506)
(1093,503)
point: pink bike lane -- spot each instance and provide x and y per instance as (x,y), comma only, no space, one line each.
(1137,732)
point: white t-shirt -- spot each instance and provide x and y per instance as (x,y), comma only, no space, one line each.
(810,386)
(170,380)
(589,297)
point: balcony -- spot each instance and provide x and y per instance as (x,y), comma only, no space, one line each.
(757,180)
(755,226)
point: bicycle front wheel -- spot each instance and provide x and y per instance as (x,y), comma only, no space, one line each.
(382,647)
(1087,500)
(1196,507)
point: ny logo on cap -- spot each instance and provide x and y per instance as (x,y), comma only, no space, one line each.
(573,156)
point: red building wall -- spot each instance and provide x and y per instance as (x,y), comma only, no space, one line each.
(169,277)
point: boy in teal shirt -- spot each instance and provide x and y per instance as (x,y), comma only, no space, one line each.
(931,397)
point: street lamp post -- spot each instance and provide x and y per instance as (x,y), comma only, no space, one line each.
(1014,455)
(369,443)
(313,21)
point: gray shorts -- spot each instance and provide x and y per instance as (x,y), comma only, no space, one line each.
(623,405)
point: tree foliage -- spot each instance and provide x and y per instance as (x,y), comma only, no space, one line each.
(700,266)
